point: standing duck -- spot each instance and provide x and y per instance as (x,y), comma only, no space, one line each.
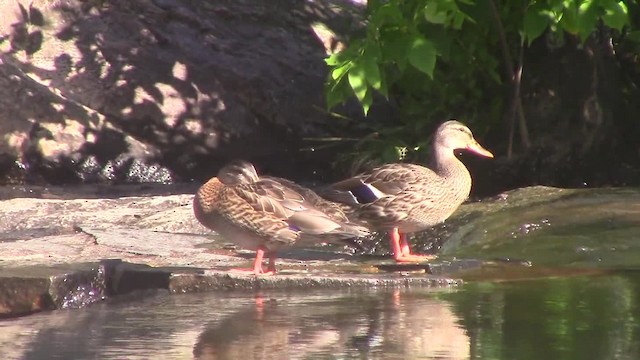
(265,214)
(404,198)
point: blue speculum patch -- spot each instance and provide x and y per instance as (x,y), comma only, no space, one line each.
(364,194)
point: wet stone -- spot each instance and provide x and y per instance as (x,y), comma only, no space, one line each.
(209,281)
(31,289)
(21,296)
(126,278)
(37,288)
(78,289)
(66,248)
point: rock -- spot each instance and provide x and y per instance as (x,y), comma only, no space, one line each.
(164,90)
(66,247)
(550,227)
(36,288)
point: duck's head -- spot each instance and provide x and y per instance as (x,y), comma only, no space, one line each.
(454,135)
(238,172)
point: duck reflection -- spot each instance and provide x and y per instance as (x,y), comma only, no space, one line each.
(393,325)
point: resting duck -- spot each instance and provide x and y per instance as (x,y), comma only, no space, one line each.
(265,214)
(404,198)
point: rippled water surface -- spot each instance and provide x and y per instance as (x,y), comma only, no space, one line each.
(583,317)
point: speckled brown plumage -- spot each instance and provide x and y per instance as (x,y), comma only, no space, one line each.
(404,198)
(264,214)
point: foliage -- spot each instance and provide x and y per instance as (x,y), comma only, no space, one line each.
(438,59)
(576,17)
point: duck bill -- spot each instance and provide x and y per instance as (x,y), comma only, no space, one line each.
(476,148)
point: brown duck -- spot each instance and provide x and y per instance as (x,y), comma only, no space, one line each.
(404,198)
(264,214)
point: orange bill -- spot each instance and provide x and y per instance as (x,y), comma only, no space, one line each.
(478,149)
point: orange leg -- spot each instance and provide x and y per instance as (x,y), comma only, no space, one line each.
(405,248)
(257,263)
(394,235)
(402,250)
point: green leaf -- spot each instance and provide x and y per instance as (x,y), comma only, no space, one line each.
(391,153)
(535,23)
(395,47)
(587,18)
(344,55)
(338,72)
(336,93)
(366,102)
(422,55)
(433,15)
(334,59)
(616,14)
(569,19)
(387,13)
(383,86)
(459,19)
(358,82)
(442,40)
(372,71)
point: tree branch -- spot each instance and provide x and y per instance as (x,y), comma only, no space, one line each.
(515,79)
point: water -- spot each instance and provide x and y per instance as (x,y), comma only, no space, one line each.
(560,318)
(577,317)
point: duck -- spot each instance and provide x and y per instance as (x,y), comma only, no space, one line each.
(265,214)
(404,198)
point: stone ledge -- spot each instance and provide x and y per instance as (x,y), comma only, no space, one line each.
(26,290)
(65,248)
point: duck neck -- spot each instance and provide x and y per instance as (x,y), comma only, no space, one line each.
(445,163)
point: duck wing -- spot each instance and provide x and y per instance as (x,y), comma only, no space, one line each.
(275,211)
(383,181)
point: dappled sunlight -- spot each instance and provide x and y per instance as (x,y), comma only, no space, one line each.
(148,71)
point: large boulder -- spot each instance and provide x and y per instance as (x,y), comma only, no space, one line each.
(161,90)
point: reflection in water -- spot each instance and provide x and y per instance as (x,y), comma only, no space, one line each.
(565,318)
(271,325)
(553,318)
(381,325)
